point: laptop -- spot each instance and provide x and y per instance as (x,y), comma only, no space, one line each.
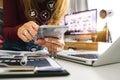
(108,53)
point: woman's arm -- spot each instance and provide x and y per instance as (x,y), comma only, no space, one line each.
(11,20)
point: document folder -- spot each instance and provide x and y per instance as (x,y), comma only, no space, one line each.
(28,64)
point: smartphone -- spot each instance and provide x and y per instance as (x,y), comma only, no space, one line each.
(50,31)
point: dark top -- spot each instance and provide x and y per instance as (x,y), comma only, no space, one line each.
(13,17)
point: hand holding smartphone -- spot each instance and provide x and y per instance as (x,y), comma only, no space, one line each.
(50,31)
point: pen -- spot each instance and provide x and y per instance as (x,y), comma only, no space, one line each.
(13,70)
(53,55)
(24,60)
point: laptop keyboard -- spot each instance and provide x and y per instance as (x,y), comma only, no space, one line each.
(89,56)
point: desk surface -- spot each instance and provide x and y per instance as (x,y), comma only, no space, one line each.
(83,72)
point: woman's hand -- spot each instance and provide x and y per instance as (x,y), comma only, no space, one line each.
(27,31)
(53,45)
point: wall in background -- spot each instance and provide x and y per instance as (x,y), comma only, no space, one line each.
(74,6)
(77,5)
(114,21)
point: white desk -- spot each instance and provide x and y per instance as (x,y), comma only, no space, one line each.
(83,72)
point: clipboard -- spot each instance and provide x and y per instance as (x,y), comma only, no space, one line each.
(37,64)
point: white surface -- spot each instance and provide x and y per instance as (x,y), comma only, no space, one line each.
(82,72)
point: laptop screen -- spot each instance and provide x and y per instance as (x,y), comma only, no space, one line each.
(83,22)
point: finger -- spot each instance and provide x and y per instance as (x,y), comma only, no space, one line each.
(55,41)
(55,49)
(58,49)
(52,48)
(25,39)
(31,27)
(32,31)
(34,25)
(48,46)
(40,42)
(56,45)
(21,35)
(27,35)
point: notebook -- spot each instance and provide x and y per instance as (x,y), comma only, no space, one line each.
(108,54)
(29,64)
